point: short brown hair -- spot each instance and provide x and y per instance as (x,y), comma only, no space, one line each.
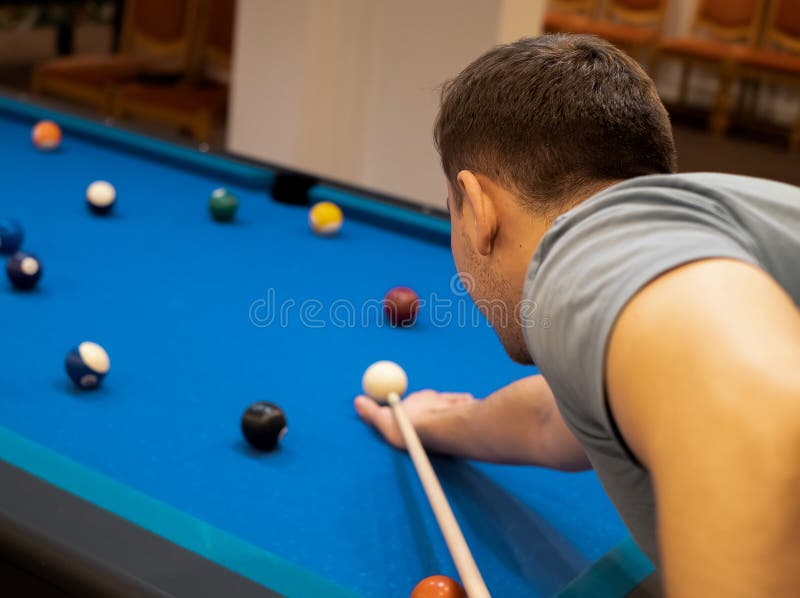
(546,116)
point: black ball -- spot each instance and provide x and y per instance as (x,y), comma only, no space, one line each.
(24,270)
(263,425)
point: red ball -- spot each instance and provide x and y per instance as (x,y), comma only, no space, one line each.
(401,306)
(438,586)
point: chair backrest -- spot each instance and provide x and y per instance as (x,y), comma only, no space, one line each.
(782,26)
(581,7)
(636,12)
(729,20)
(161,31)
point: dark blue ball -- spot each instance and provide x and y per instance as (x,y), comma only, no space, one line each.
(87,365)
(24,270)
(11,235)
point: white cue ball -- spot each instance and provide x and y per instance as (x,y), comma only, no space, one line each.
(101,194)
(382,378)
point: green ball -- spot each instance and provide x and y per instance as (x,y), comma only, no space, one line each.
(223,205)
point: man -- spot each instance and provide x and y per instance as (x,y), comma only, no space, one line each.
(671,362)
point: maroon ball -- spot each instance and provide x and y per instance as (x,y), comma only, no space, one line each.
(401,306)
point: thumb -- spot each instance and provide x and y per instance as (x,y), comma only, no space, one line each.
(380,417)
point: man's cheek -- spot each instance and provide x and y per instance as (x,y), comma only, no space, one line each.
(457,260)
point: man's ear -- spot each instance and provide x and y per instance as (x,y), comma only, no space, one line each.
(481,207)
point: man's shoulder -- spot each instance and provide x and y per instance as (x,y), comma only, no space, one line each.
(645,205)
(598,255)
(728,202)
(713,185)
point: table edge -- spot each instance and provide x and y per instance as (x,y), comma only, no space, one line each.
(168,522)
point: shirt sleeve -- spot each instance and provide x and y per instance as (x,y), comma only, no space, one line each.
(591,264)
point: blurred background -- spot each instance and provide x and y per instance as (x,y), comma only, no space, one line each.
(348,89)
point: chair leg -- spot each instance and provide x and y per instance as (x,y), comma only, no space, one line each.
(201,127)
(642,53)
(117,107)
(36,83)
(686,71)
(751,107)
(648,59)
(108,101)
(794,136)
(720,115)
(654,64)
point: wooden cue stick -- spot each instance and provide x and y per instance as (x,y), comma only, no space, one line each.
(462,557)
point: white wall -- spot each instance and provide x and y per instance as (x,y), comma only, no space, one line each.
(349,89)
(410,63)
(266,77)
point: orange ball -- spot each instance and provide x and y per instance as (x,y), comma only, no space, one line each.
(438,586)
(46,135)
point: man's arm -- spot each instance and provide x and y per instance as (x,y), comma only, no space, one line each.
(703,380)
(520,423)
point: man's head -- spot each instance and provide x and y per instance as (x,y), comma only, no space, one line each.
(527,131)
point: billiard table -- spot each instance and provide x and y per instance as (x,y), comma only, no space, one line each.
(145,486)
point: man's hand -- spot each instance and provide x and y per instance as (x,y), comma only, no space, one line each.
(422,408)
(519,423)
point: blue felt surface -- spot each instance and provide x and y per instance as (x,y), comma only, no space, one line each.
(172,295)
(174,525)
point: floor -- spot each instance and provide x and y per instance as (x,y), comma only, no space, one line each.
(741,152)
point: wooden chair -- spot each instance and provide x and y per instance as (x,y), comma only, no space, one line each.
(155,43)
(720,31)
(634,25)
(562,15)
(200,98)
(777,59)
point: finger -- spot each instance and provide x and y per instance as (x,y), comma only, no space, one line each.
(381,418)
(366,409)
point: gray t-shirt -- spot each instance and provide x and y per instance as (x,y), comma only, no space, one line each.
(597,256)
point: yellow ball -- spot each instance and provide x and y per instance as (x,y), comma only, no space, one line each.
(325,218)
